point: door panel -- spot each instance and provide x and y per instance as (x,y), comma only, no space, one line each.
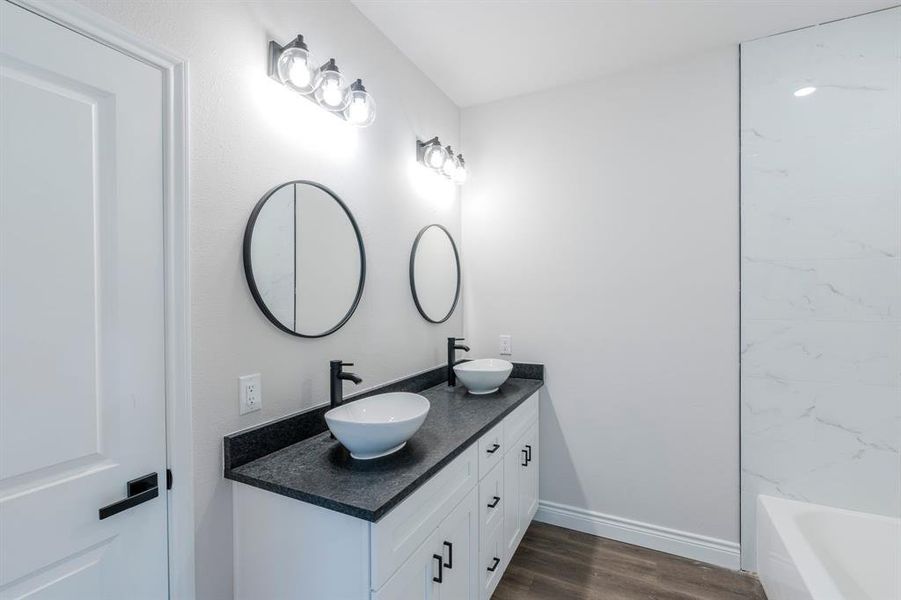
(414,579)
(512,517)
(459,538)
(529,482)
(82,404)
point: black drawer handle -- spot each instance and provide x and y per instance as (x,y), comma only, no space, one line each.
(138,491)
(529,456)
(525,458)
(494,565)
(440,560)
(493,448)
(450,555)
(494,502)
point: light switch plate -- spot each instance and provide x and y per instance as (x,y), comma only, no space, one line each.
(505,345)
(250,393)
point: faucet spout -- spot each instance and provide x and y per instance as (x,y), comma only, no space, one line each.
(336,378)
(452,347)
(351,377)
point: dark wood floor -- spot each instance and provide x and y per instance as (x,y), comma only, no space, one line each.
(552,563)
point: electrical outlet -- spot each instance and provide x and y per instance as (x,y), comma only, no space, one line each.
(250,393)
(505,345)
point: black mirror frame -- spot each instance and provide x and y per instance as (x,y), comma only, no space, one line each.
(413,278)
(248,266)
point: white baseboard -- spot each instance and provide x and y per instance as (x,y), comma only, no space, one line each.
(672,541)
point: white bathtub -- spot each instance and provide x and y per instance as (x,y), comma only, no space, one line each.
(812,552)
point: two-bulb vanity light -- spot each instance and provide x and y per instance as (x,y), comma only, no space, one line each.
(442,160)
(294,66)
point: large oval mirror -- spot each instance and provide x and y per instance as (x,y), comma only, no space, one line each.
(304,259)
(435,273)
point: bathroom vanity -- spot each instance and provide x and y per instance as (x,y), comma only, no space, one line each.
(440,518)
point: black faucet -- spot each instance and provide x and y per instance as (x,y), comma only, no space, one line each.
(452,347)
(336,387)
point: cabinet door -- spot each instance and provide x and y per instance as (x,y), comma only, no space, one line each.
(458,542)
(415,578)
(529,477)
(491,562)
(513,461)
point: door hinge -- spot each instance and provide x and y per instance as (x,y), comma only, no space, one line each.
(168,479)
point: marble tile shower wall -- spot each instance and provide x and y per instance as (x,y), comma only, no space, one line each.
(821,268)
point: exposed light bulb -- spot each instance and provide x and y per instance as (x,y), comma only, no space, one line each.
(435,156)
(331,93)
(295,67)
(450,163)
(804,91)
(358,111)
(299,73)
(460,174)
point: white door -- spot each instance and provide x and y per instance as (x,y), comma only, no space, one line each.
(419,578)
(529,482)
(459,536)
(82,405)
(514,462)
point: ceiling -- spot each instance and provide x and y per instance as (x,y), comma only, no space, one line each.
(479,51)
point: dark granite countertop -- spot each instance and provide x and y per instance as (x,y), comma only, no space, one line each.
(319,470)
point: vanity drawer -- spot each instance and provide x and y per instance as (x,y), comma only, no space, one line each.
(519,421)
(491,449)
(410,523)
(491,499)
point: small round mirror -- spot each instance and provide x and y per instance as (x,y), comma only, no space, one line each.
(304,259)
(435,273)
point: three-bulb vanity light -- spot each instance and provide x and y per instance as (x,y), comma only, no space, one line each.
(442,160)
(294,66)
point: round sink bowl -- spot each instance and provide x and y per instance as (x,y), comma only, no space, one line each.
(378,425)
(483,376)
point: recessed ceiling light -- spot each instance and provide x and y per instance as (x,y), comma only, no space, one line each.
(805,91)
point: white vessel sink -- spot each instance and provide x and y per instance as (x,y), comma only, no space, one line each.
(378,425)
(483,376)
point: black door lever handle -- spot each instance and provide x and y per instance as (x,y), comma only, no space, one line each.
(139,490)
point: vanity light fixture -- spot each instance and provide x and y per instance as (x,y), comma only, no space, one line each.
(293,66)
(442,160)
(431,153)
(804,91)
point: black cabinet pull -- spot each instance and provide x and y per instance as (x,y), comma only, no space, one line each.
(494,565)
(525,458)
(138,491)
(493,448)
(440,560)
(529,456)
(494,502)
(450,555)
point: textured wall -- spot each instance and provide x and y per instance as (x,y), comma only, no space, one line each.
(821,268)
(248,133)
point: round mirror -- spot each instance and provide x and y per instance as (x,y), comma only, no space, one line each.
(435,273)
(304,259)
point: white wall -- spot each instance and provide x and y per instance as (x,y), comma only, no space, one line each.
(248,133)
(821,268)
(600,230)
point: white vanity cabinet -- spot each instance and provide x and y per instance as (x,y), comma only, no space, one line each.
(451,539)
